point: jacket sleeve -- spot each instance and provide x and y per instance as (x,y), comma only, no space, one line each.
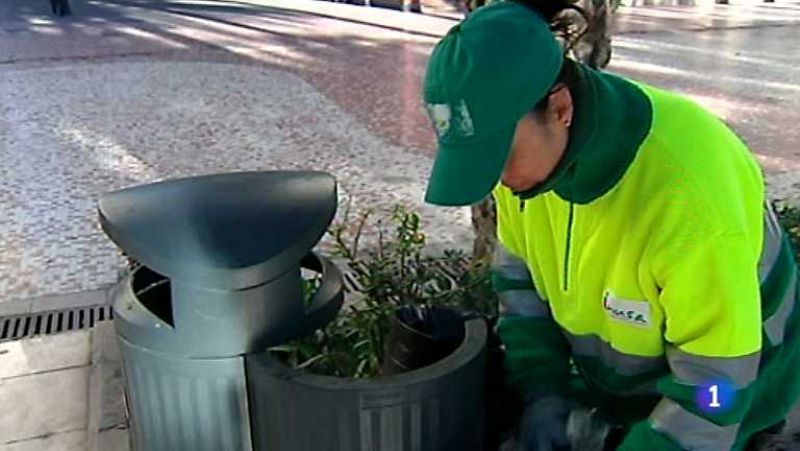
(711,301)
(536,353)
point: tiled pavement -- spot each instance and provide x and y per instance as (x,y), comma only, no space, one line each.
(44,391)
(91,105)
(169,120)
(63,393)
(127,122)
(127,92)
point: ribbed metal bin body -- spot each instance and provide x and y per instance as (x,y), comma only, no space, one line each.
(183,404)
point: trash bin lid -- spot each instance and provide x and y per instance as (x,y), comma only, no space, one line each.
(230,231)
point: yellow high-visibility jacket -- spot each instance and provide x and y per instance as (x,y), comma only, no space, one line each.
(652,262)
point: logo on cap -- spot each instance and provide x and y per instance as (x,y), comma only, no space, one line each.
(444,115)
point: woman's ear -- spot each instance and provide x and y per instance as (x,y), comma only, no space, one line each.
(560,106)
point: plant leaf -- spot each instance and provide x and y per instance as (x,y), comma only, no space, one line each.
(311,361)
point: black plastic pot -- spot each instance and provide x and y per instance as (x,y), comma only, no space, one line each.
(439,407)
(421,336)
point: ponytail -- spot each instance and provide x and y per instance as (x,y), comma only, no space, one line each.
(568,21)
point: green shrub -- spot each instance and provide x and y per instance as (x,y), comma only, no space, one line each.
(395,273)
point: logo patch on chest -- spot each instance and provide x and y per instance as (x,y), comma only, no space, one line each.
(636,313)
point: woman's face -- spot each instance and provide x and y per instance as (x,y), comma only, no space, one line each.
(539,142)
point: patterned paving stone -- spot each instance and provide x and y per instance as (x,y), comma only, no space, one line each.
(131,91)
(124,124)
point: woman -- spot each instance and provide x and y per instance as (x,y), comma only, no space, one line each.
(639,268)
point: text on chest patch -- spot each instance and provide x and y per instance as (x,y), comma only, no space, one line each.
(636,313)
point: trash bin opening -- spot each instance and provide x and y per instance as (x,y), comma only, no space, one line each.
(154,292)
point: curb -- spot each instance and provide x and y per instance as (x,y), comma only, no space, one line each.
(107,426)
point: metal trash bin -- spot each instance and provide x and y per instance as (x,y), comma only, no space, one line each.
(220,279)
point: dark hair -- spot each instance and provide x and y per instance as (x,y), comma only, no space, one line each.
(568,76)
(568,21)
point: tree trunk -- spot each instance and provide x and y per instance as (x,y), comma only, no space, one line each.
(484,223)
(594,51)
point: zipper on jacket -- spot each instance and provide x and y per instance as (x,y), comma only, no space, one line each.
(569,245)
(521,205)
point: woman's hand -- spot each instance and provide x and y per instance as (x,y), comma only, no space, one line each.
(543,426)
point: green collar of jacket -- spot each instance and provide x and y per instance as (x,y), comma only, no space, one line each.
(611,119)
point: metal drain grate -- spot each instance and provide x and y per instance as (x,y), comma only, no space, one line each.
(53,322)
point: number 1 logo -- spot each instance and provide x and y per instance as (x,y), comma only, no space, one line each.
(714,389)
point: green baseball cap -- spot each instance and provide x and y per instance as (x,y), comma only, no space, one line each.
(483,76)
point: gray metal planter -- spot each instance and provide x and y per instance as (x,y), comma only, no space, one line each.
(436,408)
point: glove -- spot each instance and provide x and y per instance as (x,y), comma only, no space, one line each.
(587,429)
(543,426)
